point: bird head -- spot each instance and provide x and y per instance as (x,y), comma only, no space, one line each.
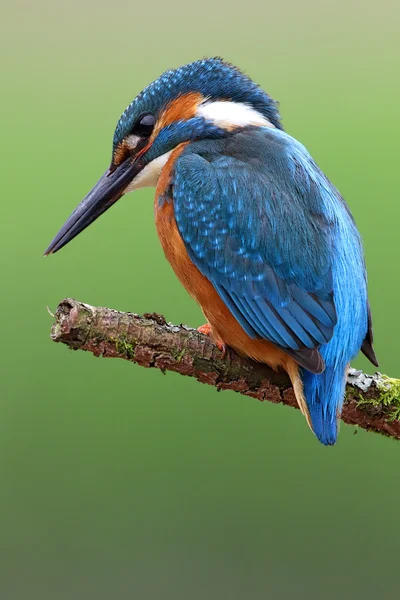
(206,99)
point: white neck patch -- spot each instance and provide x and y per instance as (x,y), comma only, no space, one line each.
(229,115)
(225,114)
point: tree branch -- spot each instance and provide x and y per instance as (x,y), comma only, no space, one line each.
(372,402)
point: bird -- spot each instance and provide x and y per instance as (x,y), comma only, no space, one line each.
(251,226)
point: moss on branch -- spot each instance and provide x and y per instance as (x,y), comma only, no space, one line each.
(372,401)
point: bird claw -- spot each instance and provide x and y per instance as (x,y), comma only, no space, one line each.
(222,347)
(207,330)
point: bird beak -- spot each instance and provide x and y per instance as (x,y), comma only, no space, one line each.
(105,193)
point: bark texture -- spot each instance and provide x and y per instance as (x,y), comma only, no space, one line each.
(371,400)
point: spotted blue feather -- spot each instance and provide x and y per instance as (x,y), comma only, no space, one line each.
(267,228)
(250,211)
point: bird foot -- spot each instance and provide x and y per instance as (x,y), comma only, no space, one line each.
(207,330)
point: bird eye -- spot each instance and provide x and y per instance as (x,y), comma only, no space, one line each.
(145,125)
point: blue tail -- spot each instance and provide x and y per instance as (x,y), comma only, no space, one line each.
(324,396)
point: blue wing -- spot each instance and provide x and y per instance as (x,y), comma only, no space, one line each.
(253,212)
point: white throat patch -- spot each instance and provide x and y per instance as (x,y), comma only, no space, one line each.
(229,115)
(148,177)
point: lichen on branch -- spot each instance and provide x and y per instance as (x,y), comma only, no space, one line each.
(372,401)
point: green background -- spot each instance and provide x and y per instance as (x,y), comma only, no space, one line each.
(118,482)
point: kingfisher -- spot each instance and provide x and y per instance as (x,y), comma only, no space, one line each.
(252,227)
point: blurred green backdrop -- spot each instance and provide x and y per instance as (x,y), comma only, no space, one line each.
(117,482)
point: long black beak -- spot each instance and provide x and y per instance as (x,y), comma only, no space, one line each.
(105,193)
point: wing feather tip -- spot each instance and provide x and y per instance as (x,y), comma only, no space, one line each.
(310,359)
(369,352)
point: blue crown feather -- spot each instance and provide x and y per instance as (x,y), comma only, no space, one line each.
(212,77)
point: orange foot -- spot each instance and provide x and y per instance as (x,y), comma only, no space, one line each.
(207,330)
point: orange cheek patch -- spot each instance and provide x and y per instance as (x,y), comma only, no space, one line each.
(121,153)
(181,109)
